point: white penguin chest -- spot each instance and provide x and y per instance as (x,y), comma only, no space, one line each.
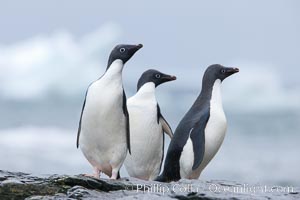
(216,126)
(146,138)
(214,135)
(103,118)
(103,100)
(142,110)
(146,134)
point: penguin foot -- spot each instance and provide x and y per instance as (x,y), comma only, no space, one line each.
(96,173)
(92,175)
(115,175)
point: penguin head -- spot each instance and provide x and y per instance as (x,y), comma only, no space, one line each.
(217,71)
(123,52)
(155,77)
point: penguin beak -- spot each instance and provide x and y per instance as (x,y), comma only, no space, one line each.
(139,46)
(135,48)
(232,70)
(132,49)
(168,78)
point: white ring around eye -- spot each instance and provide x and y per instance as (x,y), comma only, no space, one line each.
(122,50)
(223,71)
(157,75)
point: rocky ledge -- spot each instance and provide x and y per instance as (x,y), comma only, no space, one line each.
(17,185)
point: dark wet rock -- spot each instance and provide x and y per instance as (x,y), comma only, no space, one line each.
(16,185)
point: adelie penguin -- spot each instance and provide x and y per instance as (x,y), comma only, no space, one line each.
(103,133)
(147,127)
(201,132)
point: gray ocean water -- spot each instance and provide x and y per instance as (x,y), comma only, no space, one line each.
(43,82)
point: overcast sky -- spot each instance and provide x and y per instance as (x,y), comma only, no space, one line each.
(175,33)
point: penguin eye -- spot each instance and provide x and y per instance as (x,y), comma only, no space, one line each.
(122,50)
(223,71)
(157,75)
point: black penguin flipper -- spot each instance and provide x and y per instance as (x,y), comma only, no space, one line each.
(166,127)
(125,111)
(79,127)
(198,139)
